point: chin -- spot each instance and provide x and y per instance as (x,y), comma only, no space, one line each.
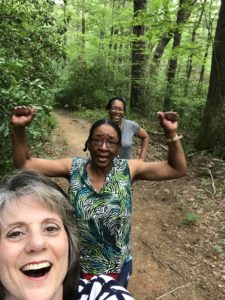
(44,294)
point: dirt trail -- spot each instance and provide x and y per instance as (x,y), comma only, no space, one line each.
(74,131)
(171,260)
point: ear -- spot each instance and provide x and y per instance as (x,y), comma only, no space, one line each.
(88,145)
(118,150)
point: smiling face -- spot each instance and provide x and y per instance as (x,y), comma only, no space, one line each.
(116,111)
(104,146)
(33,251)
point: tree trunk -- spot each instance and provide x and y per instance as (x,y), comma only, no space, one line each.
(83,24)
(162,43)
(210,131)
(183,14)
(138,57)
(209,26)
(189,62)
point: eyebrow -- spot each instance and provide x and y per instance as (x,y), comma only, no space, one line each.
(19,223)
(100,134)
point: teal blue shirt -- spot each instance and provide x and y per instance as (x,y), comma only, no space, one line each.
(104,218)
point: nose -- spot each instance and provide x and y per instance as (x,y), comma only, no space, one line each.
(35,243)
(104,145)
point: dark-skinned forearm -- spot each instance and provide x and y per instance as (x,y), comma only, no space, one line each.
(20,148)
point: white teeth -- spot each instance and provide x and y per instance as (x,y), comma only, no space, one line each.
(36,266)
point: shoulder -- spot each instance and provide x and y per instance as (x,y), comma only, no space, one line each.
(77,164)
(132,125)
(130,122)
(121,164)
(102,287)
(78,161)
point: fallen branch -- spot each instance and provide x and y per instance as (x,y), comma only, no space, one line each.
(177,288)
(164,147)
(212,181)
(152,253)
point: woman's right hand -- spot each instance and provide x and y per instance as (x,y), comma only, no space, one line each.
(23,115)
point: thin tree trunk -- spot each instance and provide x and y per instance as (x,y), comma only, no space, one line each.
(83,24)
(184,12)
(209,25)
(189,62)
(138,58)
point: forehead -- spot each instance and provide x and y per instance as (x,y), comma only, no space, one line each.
(105,130)
(27,204)
(117,103)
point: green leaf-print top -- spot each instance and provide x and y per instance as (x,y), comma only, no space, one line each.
(104,218)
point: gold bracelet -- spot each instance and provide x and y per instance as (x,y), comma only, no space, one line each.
(174,139)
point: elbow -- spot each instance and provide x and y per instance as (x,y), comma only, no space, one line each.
(21,165)
(182,172)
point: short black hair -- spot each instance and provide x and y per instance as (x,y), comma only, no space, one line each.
(109,104)
(103,122)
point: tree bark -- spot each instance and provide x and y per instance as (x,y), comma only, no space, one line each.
(210,130)
(138,57)
(184,12)
(189,62)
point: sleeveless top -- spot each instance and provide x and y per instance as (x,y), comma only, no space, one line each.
(103,218)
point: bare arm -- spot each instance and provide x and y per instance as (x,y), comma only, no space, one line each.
(174,167)
(142,134)
(22,158)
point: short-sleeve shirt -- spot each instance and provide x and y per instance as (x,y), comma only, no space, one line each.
(101,287)
(104,218)
(129,129)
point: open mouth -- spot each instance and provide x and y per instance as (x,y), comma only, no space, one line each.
(102,158)
(36,270)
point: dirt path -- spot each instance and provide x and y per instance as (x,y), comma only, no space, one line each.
(173,259)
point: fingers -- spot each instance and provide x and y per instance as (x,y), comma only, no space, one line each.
(169,116)
(24,111)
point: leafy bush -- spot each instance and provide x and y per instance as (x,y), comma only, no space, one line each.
(88,85)
(29,46)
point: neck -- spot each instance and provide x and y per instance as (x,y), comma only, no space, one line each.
(119,123)
(98,170)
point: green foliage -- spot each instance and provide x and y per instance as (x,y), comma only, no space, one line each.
(30,44)
(217,249)
(99,40)
(89,85)
(191,219)
(91,114)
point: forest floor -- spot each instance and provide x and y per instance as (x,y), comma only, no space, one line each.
(178,226)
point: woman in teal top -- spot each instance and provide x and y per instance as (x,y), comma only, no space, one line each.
(104,217)
(100,188)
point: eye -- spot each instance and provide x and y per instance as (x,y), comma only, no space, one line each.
(112,143)
(15,234)
(97,142)
(51,228)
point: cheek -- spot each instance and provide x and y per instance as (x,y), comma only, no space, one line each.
(8,260)
(62,252)
(9,253)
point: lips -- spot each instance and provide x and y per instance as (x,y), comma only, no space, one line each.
(36,269)
(102,158)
